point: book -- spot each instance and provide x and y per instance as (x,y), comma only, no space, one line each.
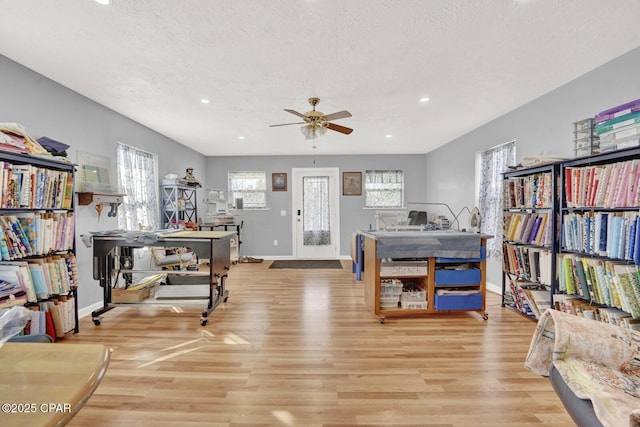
(41,287)
(18,272)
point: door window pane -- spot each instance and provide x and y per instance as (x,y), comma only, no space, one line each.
(315,199)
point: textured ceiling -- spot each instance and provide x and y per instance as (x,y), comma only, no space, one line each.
(153,60)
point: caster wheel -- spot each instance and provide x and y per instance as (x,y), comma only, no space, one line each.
(96,322)
(226,299)
(485,317)
(381,321)
(203,322)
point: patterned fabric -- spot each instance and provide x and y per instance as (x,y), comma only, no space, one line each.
(494,162)
(598,361)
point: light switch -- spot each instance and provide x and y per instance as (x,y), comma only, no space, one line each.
(283,213)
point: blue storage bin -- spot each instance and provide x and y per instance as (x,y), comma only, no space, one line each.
(459,302)
(483,257)
(458,277)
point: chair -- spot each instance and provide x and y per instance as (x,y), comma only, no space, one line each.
(411,217)
(41,338)
(420,218)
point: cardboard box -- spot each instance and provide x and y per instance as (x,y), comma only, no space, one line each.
(132,296)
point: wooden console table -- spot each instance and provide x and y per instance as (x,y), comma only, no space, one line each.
(47,384)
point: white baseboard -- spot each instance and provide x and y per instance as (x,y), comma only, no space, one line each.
(86,311)
(494,288)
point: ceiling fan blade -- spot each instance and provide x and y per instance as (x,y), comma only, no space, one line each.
(338,128)
(295,113)
(287,124)
(339,115)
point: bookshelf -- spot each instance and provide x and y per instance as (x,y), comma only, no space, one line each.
(37,243)
(599,251)
(179,205)
(530,242)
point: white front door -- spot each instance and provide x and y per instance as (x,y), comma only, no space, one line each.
(316,213)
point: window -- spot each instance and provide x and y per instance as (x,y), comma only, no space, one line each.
(140,210)
(251,187)
(493,162)
(384,189)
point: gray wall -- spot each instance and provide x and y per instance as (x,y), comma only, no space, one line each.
(46,108)
(446,175)
(262,227)
(544,126)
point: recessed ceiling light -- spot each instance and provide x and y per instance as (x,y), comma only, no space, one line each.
(204,101)
(105,2)
(241,137)
(424,99)
(388,136)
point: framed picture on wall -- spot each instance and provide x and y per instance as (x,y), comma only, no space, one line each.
(279,181)
(351,183)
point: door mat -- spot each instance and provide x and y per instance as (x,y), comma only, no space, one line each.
(302,263)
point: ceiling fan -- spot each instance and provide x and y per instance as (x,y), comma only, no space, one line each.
(316,123)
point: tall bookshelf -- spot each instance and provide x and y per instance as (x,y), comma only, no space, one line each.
(599,252)
(37,243)
(179,205)
(530,241)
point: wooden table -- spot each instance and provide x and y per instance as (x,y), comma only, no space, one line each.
(47,384)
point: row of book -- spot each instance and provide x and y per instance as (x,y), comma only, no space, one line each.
(35,233)
(531,191)
(32,187)
(37,279)
(532,264)
(527,228)
(581,307)
(619,126)
(529,298)
(614,185)
(612,283)
(609,234)
(54,317)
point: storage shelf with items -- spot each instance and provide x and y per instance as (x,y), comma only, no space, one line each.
(586,141)
(179,206)
(530,217)
(459,283)
(402,281)
(37,243)
(600,236)
(619,127)
(406,284)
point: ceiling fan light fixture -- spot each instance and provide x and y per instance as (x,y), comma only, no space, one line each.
(313,131)
(308,132)
(316,123)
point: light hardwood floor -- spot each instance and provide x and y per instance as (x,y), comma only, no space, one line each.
(299,348)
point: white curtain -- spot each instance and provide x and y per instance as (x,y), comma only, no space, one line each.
(138,180)
(493,163)
(316,222)
(384,188)
(250,186)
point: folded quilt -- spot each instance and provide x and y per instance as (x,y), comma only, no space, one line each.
(598,361)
